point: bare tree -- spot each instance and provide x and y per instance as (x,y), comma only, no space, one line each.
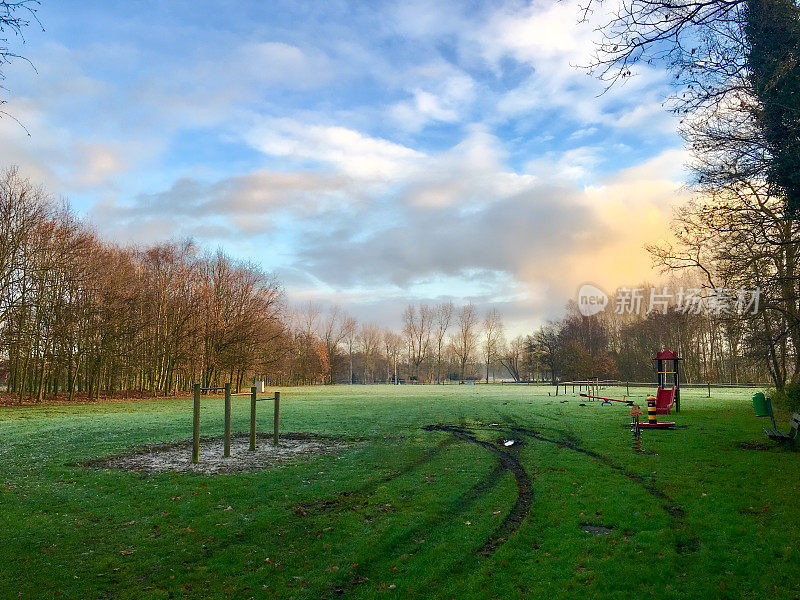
(466,337)
(369,341)
(308,316)
(737,68)
(393,344)
(443,316)
(492,338)
(417,329)
(735,65)
(23,208)
(701,41)
(549,343)
(15,16)
(512,357)
(333,332)
(169,272)
(350,334)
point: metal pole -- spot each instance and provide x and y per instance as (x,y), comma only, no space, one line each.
(277,418)
(196,426)
(227,451)
(253,418)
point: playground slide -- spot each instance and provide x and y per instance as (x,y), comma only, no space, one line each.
(665,398)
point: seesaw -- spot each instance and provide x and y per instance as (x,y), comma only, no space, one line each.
(607,400)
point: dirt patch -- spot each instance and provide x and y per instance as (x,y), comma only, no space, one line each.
(596,529)
(177,456)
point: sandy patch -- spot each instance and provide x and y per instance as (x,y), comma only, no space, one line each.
(177,456)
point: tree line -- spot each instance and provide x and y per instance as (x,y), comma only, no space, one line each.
(83,317)
(717,338)
(80,316)
(717,346)
(437,343)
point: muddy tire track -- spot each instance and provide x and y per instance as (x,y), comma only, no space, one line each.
(409,540)
(509,462)
(573,445)
(359,497)
(686,543)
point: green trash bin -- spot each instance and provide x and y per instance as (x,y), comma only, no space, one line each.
(760,404)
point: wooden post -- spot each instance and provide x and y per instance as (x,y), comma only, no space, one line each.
(196,426)
(709,389)
(253,418)
(277,418)
(227,451)
(627,388)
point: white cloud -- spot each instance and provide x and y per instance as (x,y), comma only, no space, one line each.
(278,63)
(548,38)
(470,175)
(348,151)
(539,32)
(439,93)
(546,234)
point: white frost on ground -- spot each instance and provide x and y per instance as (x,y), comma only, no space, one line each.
(177,456)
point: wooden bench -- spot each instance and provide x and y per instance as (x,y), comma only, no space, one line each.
(782,436)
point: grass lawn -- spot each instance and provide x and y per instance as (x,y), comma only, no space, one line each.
(403,511)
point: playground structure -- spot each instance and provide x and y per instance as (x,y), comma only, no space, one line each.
(669,384)
(227,428)
(652,419)
(668,381)
(666,365)
(636,429)
(668,393)
(593,393)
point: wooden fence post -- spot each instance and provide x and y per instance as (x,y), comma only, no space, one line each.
(196,426)
(277,418)
(253,418)
(227,451)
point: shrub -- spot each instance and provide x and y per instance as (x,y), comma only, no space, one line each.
(788,400)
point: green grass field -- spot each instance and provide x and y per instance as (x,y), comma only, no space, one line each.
(405,512)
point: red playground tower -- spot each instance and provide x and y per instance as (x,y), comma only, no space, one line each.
(669,386)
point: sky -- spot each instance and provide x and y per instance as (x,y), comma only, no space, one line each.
(371,154)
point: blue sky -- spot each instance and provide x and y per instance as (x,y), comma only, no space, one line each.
(372,154)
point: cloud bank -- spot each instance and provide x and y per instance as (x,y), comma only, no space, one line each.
(387,153)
